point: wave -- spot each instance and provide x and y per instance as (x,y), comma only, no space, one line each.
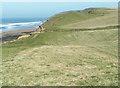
(15,26)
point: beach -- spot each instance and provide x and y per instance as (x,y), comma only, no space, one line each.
(12,35)
(12,28)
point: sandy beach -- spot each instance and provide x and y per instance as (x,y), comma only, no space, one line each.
(12,35)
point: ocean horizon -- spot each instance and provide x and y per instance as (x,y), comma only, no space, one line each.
(10,24)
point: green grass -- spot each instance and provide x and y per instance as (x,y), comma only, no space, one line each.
(86,57)
(72,56)
(99,17)
(67,18)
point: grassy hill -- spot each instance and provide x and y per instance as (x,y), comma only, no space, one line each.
(88,18)
(66,54)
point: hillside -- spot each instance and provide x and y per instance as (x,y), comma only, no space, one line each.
(88,18)
(72,51)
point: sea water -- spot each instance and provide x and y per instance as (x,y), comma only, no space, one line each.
(9,24)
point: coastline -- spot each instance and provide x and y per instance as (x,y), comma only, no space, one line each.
(13,35)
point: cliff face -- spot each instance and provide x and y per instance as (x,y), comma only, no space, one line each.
(24,36)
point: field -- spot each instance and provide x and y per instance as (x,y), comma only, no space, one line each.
(66,54)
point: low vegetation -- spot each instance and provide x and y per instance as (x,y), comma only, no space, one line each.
(65,56)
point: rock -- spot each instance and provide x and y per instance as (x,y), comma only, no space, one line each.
(40,29)
(24,36)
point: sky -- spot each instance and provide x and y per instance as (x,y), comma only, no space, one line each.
(46,9)
(59,0)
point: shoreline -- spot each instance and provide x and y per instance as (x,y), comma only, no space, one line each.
(13,35)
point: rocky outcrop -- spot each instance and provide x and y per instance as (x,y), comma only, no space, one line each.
(40,29)
(24,36)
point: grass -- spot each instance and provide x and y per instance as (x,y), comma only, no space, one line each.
(99,17)
(67,58)
(71,53)
(110,20)
(67,18)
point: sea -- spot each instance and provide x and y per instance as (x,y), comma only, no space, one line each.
(10,24)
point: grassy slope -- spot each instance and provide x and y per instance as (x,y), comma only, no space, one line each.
(63,57)
(99,17)
(67,18)
(107,20)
